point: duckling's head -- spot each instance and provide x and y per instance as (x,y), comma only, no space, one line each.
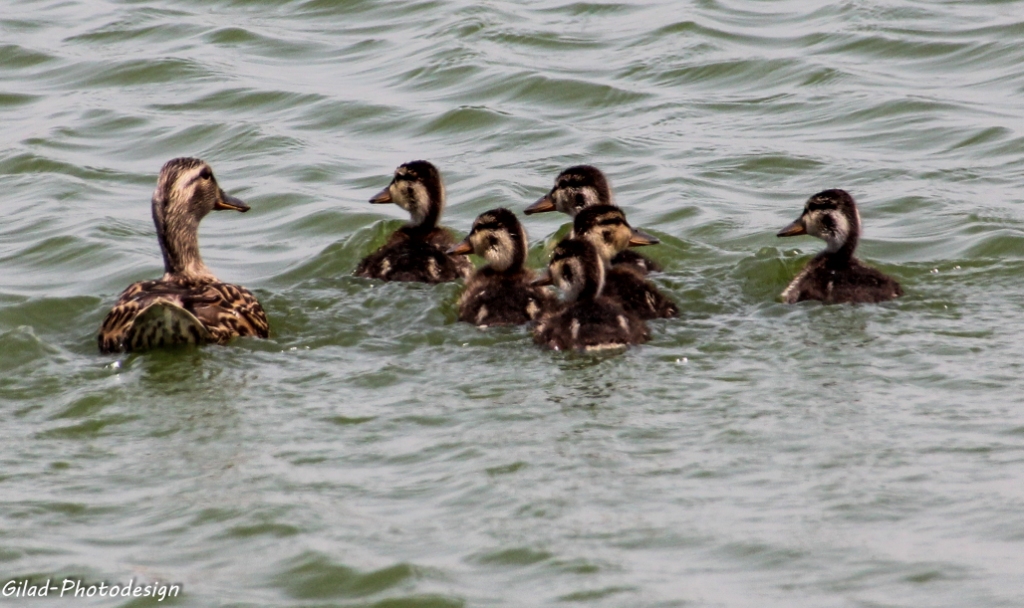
(830,215)
(498,237)
(418,189)
(576,269)
(575,188)
(606,228)
(185,192)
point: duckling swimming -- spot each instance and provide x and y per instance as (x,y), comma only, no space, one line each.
(188,305)
(834,276)
(416,251)
(583,186)
(501,292)
(588,321)
(606,228)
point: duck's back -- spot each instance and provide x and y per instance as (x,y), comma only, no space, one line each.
(154,314)
(416,258)
(848,283)
(636,261)
(494,298)
(590,325)
(636,294)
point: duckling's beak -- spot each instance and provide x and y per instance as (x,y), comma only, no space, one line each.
(229,202)
(383,197)
(794,229)
(543,279)
(639,238)
(463,248)
(544,203)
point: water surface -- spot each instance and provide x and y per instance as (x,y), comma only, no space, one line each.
(375,452)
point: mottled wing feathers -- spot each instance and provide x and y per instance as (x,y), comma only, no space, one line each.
(493,298)
(153,314)
(599,324)
(636,261)
(415,258)
(852,283)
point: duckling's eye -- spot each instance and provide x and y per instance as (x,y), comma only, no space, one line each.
(563,184)
(567,274)
(492,242)
(206,173)
(607,234)
(827,223)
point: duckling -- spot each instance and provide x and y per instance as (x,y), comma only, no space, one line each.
(588,321)
(416,251)
(583,186)
(834,276)
(500,293)
(606,228)
(188,305)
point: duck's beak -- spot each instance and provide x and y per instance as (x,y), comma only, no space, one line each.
(383,197)
(794,229)
(543,204)
(639,238)
(463,248)
(543,279)
(229,202)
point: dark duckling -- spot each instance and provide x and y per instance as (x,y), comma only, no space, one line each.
(834,276)
(418,250)
(606,228)
(501,292)
(188,305)
(588,321)
(583,186)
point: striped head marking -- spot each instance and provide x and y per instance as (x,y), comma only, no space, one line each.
(830,215)
(498,237)
(417,188)
(186,192)
(576,269)
(575,188)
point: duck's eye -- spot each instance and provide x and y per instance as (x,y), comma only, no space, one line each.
(828,224)
(567,274)
(563,184)
(206,173)
(492,242)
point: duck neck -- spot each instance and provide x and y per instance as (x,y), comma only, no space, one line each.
(179,243)
(842,253)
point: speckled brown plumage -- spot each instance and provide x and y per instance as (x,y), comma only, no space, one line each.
(501,293)
(835,276)
(417,251)
(188,305)
(605,227)
(588,321)
(577,188)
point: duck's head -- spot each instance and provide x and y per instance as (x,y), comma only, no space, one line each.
(830,215)
(606,228)
(576,269)
(418,189)
(575,188)
(185,192)
(498,237)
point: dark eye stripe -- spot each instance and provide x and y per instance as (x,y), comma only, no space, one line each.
(487,226)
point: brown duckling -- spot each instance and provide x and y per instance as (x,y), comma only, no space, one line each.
(501,292)
(188,305)
(583,186)
(588,321)
(416,251)
(606,228)
(834,276)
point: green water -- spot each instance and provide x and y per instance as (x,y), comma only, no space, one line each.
(375,452)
